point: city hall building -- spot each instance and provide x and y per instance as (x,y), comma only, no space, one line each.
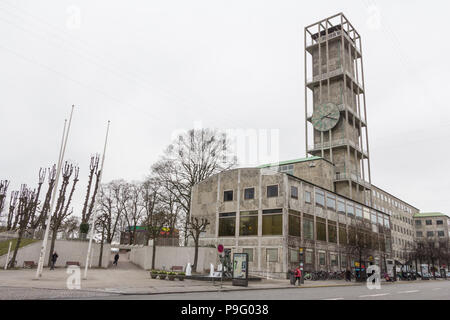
(317,203)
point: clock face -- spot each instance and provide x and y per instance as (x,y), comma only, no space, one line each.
(325,117)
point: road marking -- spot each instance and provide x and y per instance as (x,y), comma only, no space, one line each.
(411,291)
(436,289)
(334,299)
(375,295)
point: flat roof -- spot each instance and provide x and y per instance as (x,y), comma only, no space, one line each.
(429,214)
(283,163)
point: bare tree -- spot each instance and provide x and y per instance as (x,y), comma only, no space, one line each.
(70,226)
(87,207)
(42,174)
(3,193)
(41,220)
(12,209)
(195,227)
(62,208)
(191,158)
(24,209)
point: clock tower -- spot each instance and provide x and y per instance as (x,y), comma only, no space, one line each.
(335,104)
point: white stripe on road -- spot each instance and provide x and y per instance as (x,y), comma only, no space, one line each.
(334,299)
(411,291)
(375,295)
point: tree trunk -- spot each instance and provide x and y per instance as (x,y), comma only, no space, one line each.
(16,249)
(153,253)
(195,254)
(101,249)
(52,246)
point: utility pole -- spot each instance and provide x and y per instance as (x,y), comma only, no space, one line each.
(7,257)
(55,187)
(95,211)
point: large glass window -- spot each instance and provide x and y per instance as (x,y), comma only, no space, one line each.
(227,224)
(333,260)
(320,198)
(373,218)
(272,222)
(350,209)
(248,223)
(272,254)
(321,229)
(249,193)
(439,222)
(308,257)
(228,195)
(331,202)
(428,222)
(343,261)
(441,234)
(419,234)
(341,206)
(358,211)
(386,223)
(293,255)
(352,235)
(332,232)
(342,234)
(308,227)
(272,191)
(294,224)
(322,261)
(248,251)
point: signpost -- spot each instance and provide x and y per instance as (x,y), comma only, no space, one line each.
(240,269)
(301,265)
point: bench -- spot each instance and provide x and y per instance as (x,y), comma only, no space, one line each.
(176,268)
(72,263)
(29,264)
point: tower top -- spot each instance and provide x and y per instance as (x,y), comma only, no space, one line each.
(332,24)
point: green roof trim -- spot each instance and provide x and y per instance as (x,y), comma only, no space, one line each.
(283,163)
(429,214)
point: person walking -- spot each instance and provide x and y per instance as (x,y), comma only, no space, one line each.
(54,258)
(348,275)
(116,258)
(298,275)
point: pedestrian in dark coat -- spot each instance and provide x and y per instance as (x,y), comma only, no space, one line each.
(348,275)
(54,258)
(116,258)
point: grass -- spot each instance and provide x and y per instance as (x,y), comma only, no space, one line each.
(4,245)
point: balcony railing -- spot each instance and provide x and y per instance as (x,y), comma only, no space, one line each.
(336,143)
(354,176)
(331,74)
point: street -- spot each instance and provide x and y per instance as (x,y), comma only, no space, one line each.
(419,290)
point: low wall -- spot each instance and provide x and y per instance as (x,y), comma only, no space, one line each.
(166,257)
(67,251)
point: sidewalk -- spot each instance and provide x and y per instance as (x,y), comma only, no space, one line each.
(128,279)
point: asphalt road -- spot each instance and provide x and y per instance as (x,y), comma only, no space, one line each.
(423,290)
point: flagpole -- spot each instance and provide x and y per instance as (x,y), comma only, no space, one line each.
(55,187)
(95,211)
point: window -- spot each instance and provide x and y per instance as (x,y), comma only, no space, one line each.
(272,191)
(321,229)
(289,169)
(341,206)
(322,258)
(333,260)
(293,255)
(307,197)
(343,261)
(342,234)
(227,224)
(228,196)
(294,224)
(272,222)
(320,198)
(439,222)
(248,251)
(430,234)
(429,222)
(272,255)
(418,223)
(386,223)
(308,257)
(332,232)
(351,235)
(350,209)
(440,233)
(294,192)
(248,223)
(308,227)
(249,193)
(419,234)
(373,218)
(331,202)
(359,211)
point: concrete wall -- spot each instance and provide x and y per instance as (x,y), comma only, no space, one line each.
(67,251)
(166,257)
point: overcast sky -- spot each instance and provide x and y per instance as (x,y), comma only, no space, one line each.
(155,67)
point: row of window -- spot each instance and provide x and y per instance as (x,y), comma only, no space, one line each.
(430,234)
(272,223)
(391,201)
(429,222)
(249,193)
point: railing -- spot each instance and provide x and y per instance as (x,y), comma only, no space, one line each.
(311,42)
(331,74)
(335,143)
(351,176)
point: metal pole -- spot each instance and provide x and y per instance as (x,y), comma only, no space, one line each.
(7,257)
(95,211)
(47,228)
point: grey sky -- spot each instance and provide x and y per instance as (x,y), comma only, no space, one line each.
(153,67)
